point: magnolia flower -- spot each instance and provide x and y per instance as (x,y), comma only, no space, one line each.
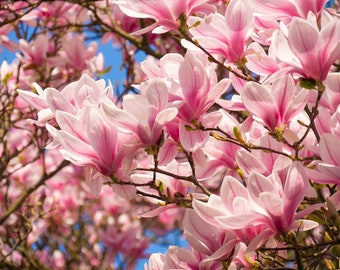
(289,8)
(225,35)
(166,12)
(308,50)
(34,53)
(143,115)
(275,104)
(264,207)
(200,90)
(72,98)
(89,139)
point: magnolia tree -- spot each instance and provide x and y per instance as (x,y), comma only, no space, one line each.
(228,132)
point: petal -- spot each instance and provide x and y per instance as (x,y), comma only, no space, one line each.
(120,118)
(193,139)
(272,203)
(208,211)
(165,116)
(328,150)
(295,187)
(283,91)
(296,105)
(102,137)
(75,146)
(239,221)
(71,124)
(37,102)
(303,39)
(157,94)
(230,189)
(258,184)
(193,80)
(259,100)
(167,152)
(57,101)
(249,162)
(216,92)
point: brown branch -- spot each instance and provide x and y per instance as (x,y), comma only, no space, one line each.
(16,14)
(16,205)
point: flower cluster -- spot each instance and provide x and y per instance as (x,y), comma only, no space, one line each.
(229,134)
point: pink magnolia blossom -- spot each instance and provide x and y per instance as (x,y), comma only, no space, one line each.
(259,161)
(200,90)
(181,258)
(267,205)
(225,35)
(34,53)
(264,26)
(56,13)
(143,115)
(233,204)
(212,241)
(276,104)
(209,244)
(308,50)
(288,9)
(167,67)
(220,158)
(262,63)
(88,139)
(166,12)
(72,98)
(163,140)
(75,55)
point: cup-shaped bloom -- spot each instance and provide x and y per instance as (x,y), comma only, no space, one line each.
(225,35)
(34,53)
(143,115)
(234,211)
(275,104)
(289,8)
(259,161)
(279,195)
(308,50)
(267,205)
(71,99)
(75,54)
(166,12)
(215,242)
(89,139)
(200,91)
(184,259)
